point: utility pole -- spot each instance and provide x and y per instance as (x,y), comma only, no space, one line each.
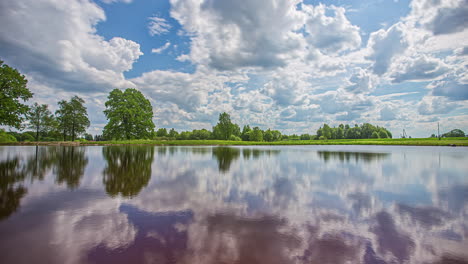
(438,130)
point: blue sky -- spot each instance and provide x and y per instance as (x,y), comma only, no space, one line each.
(290,65)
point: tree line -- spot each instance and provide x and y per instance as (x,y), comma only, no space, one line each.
(130,116)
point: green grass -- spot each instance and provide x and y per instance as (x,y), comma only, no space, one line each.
(407,141)
(399,141)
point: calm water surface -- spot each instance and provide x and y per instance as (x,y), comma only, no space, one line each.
(202,205)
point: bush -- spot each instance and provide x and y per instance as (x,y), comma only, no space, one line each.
(6,138)
(235,138)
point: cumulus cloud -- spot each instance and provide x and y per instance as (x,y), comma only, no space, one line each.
(361,82)
(450,88)
(385,45)
(158,26)
(441,17)
(69,56)
(116,1)
(419,69)
(330,34)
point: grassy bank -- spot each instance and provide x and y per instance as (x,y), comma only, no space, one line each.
(407,141)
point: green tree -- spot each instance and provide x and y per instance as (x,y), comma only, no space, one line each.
(256,134)
(40,119)
(305,137)
(375,135)
(225,128)
(340,132)
(326,131)
(162,132)
(130,115)
(268,136)
(12,90)
(72,117)
(367,130)
(173,133)
(246,133)
(383,133)
(454,133)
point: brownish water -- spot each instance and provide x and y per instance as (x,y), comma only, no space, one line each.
(284,204)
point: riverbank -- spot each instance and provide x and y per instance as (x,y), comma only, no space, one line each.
(399,141)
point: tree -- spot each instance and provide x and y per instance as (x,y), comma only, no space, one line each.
(256,134)
(326,131)
(225,128)
(173,133)
(374,135)
(130,115)
(268,135)
(40,119)
(383,133)
(454,133)
(245,133)
(12,90)
(72,117)
(162,132)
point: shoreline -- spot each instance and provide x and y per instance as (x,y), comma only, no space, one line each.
(453,142)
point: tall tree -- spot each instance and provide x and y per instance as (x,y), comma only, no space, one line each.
(72,117)
(40,119)
(225,128)
(12,90)
(130,115)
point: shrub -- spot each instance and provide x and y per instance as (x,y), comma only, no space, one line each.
(6,138)
(322,138)
(235,138)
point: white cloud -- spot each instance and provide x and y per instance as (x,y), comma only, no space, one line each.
(385,45)
(433,105)
(330,34)
(361,82)
(69,56)
(419,69)
(162,48)
(442,16)
(158,26)
(227,35)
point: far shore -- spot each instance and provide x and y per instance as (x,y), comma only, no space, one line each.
(400,141)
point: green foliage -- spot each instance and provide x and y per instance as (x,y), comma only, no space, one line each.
(185,135)
(162,132)
(454,133)
(72,117)
(6,138)
(375,134)
(268,136)
(130,115)
(322,138)
(383,133)
(88,137)
(12,90)
(256,134)
(245,135)
(234,138)
(173,133)
(201,134)
(305,137)
(41,120)
(225,128)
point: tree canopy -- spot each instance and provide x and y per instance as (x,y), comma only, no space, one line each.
(130,115)
(72,117)
(225,128)
(454,133)
(40,119)
(12,90)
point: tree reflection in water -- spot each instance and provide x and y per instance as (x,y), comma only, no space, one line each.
(348,156)
(70,166)
(227,155)
(10,192)
(128,169)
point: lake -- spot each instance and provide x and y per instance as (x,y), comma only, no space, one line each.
(265,204)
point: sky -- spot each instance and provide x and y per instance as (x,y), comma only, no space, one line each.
(289,65)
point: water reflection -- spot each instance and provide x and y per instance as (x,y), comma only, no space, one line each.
(271,205)
(70,165)
(128,169)
(351,156)
(10,191)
